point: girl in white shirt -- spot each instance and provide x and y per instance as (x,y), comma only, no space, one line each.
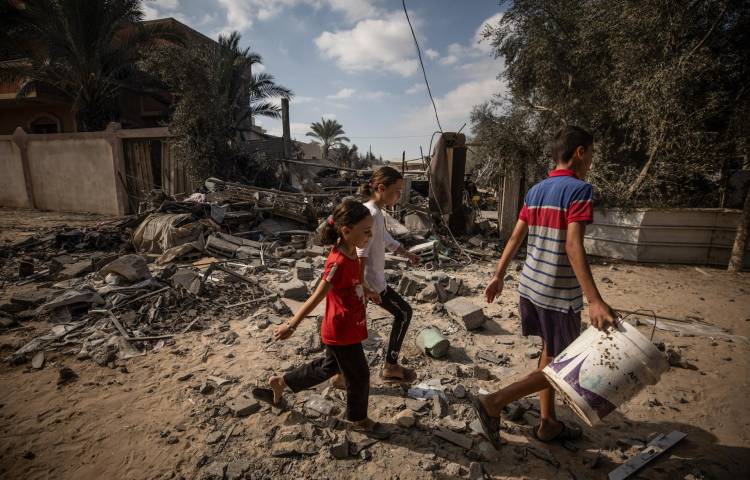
(384,190)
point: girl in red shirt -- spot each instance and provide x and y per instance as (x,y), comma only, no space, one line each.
(344,327)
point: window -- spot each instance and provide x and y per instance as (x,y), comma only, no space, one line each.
(45,123)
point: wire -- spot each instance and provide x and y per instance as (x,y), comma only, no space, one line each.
(424,72)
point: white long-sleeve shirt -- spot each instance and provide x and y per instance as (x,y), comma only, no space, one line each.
(374,252)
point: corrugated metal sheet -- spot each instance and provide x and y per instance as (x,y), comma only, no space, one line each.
(685,236)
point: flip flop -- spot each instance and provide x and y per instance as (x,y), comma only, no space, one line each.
(490,425)
(266,395)
(378,431)
(566,434)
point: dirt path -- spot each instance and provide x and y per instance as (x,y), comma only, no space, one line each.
(146,423)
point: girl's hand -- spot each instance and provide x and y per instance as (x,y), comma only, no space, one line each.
(283,332)
(414,259)
(372,296)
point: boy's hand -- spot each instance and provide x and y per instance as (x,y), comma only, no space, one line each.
(372,296)
(494,289)
(283,332)
(601,314)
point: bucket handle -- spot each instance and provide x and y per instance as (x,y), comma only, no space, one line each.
(642,311)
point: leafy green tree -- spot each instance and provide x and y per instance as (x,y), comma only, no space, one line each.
(663,89)
(216,96)
(81,50)
(329,132)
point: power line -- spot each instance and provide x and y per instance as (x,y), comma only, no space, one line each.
(424,72)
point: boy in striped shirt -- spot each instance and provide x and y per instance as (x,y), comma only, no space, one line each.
(555,277)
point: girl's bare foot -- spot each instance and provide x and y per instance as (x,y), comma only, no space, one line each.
(489,407)
(278,386)
(394,371)
(338,381)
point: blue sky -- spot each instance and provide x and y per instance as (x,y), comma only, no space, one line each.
(354,60)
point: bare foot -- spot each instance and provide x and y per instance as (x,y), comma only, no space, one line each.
(394,371)
(549,428)
(278,386)
(489,406)
(338,381)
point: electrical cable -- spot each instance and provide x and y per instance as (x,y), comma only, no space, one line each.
(424,72)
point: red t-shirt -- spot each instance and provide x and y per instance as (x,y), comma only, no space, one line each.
(345,321)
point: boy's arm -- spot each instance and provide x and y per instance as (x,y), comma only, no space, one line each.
(495,287)
(286,330)
(600,313)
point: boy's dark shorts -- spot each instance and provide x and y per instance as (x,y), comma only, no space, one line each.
(557,329)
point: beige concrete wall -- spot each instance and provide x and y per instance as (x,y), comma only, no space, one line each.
(73,175)
(13,184)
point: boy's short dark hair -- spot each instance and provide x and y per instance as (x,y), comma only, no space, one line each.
(567,140)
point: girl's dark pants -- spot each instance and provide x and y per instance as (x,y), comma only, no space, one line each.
(392,302)
(346,359)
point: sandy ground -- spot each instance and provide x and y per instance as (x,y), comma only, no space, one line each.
(142,422)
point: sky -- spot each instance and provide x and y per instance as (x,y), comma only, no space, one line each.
(355,61)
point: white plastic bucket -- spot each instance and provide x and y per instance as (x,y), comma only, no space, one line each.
(600,371)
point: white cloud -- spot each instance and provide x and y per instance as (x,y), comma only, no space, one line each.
(343,93)
(159,9)
(383,44)
(432,54)
(239,14)
(374,95)
(453,108)
(354,9)
(416,88)
(448,60)
(479,42)
(259,68)
(329,116)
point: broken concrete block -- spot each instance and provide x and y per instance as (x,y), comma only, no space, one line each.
(465,312)
(25,268)
(132,267)
(315,251)
(73,297)
(304,271)
(439,406)
(409,286)
(340,449)
(33,298)
(406,418)
(295,289)
(243,407)
(455,438)
(75,270)
(320,405)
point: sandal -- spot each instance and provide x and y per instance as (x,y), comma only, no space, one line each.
(372,429)
(266,395)
(566,434)
(490,425)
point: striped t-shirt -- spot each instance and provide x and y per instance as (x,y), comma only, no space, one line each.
(547,279)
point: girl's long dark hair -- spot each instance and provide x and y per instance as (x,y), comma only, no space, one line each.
(346,214)
(386,176)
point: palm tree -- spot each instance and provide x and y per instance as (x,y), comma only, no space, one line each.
(329,132)
(246,94)
(79,49)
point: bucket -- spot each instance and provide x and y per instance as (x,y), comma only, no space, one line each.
(600,371)
(430,341)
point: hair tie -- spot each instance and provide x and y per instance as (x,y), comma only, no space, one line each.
(330,220)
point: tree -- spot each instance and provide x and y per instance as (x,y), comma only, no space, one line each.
(663,89)
(329,132)
(82,50)
(345,155)
(740,240)
(216,95)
